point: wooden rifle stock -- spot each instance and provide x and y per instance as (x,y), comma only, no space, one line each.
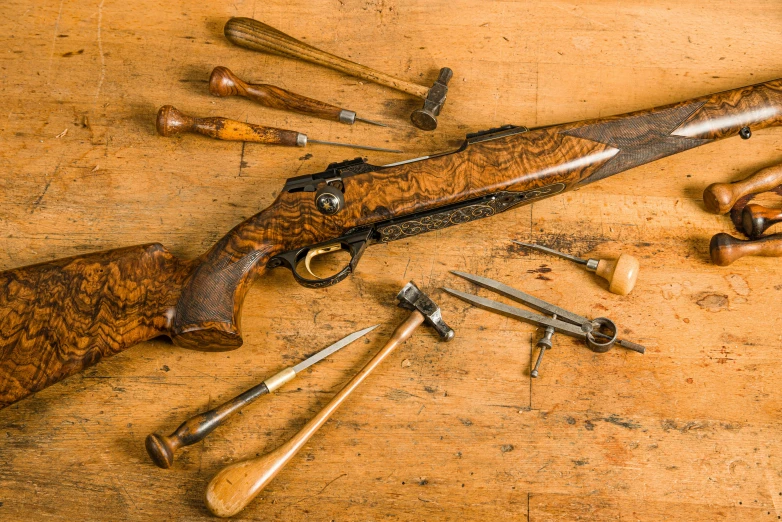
(60,317)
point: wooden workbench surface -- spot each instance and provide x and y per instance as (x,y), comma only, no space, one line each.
(443,431)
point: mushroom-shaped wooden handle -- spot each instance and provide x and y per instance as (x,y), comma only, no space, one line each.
(755,219)
(725,249)
(171,121)
(621,273)
(719,198)
(223,82)
(255,35)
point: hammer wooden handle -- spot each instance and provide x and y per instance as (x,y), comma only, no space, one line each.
(755,219)
(236,485)
(225,83)
(725,249)
(255,35)
(719,198)
(171,121)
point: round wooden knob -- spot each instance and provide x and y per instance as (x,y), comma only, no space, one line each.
(171,121)
(725,249)
(160,449)
(755,219)
(621,273)
(223,82)
(719,198)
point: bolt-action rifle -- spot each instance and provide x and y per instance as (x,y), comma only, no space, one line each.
(57,318)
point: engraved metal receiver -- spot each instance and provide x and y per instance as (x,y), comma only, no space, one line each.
(328,190)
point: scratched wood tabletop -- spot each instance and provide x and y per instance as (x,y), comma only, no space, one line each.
(689,431)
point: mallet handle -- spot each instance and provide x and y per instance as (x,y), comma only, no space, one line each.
(171,121)
(255,35)
(223,82)
(236,485)
(725,249)
(719,198)
(755,219)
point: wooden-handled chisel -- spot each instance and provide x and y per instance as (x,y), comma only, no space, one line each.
(161,448)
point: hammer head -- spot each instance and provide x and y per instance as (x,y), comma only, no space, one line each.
(412,298)
(426,118)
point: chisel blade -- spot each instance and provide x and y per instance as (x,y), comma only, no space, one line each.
(309,361)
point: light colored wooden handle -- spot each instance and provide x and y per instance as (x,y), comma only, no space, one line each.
(255,35)
(171,121)
(236,485)
(620,273)
(719,198)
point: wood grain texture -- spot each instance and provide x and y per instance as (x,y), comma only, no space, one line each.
(756,219)
(258,36)
(689,430)
(514,169)
(171,121)
(223,82)
(719,198)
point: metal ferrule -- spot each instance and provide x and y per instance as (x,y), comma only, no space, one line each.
(277,380)
(348,117)
(592,264)
(301,140)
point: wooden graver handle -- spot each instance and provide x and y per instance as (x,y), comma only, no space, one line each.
(719,198)
(755,219)
(161,448)
(255,35)
(225,83)
(621,273)
(725,249)
(171,121)
(236,485)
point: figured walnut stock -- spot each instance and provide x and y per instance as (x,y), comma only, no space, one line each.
(198,304)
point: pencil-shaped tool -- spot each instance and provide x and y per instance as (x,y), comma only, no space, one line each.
(620,273)
(223,82)
(195,429)
(171,121)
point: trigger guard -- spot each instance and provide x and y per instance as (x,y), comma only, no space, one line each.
(355,244)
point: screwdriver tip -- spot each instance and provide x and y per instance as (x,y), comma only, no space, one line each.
(371,122)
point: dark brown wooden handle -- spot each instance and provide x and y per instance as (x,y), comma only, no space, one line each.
(725,249)
(223,82)
(161,448)
(255,35)
(719,198)
(755,219)
(171,121)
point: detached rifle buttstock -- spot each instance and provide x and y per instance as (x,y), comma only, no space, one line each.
(60,317)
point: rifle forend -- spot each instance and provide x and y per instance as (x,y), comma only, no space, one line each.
(57,318)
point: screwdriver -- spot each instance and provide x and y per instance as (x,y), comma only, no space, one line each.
(620,273)
(223,82)
(171,121)
(161,448)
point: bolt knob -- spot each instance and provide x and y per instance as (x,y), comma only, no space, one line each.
(621,273)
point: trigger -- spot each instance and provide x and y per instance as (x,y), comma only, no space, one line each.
(319,252)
